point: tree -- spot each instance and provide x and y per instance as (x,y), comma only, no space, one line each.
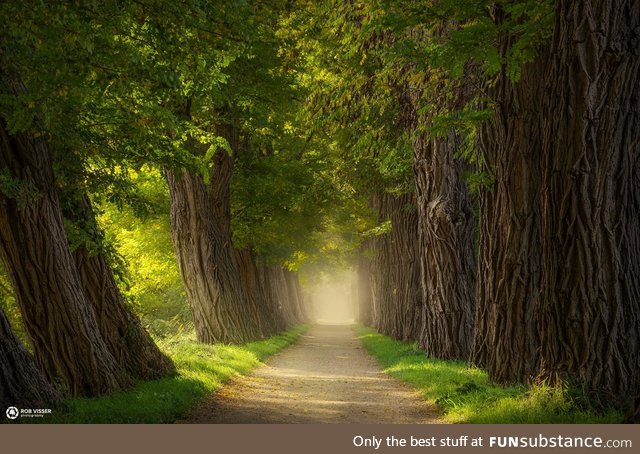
(394,269)
(34,249)
(50,115)
(362,288)
(446,225)
(506,339)
(209,269)
(589,313)
(127,340)
(22,384)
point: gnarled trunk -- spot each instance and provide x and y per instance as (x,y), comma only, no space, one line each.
(395,269)
(58,319)
(127,340)
(22,384)
(445,238)
(589,316)
(506,338)
(220,307)
(121,329)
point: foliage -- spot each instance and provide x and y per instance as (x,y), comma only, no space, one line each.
(465,394)
(201,370)
(151,279)
(380,72)
(9,306)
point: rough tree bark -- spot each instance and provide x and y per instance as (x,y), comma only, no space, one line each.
(445,238)
(589,316)
(22,384)
(395,269)
(121,329)
(262,309)
(218,301)
(505,337)
(33,247)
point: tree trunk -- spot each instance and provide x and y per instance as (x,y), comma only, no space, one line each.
(302,300)
(264,313)
(295,295)
(277,294)
(395,269)
(22,384)
(505,338)
(218,301)
(590,305)
(279,283)
(33,246)
(445,237)
(221,173)
(121,329)
(364,301)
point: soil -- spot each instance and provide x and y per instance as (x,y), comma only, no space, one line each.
(326,377)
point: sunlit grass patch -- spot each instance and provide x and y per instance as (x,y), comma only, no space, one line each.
(465,394)
(201,369)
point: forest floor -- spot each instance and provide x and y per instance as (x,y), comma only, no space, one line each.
(326,377)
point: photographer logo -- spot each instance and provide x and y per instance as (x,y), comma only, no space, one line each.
(13,413)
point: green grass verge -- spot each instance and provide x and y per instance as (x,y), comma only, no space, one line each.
(465,394)
(201,369)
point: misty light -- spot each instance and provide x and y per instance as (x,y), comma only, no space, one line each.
(331,300)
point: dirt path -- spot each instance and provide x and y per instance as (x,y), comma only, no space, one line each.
(327,377)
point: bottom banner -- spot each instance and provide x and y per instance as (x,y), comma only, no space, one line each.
(311,439)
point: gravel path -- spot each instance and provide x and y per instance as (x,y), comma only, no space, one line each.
(326,377)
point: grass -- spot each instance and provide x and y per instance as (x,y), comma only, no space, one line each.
(465,395)
(201,369)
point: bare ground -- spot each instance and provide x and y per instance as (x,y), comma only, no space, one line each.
(327,377)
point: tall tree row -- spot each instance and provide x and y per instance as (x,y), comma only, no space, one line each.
(392,102)
(557,245)
(476,161)
(80,142)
